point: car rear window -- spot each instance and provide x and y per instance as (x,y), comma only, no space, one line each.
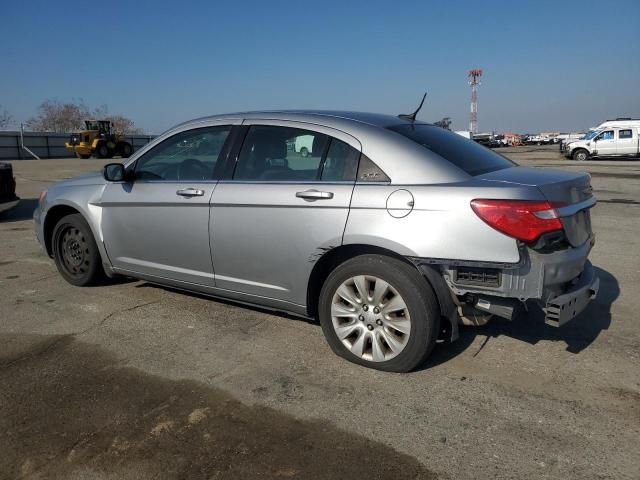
(463,153)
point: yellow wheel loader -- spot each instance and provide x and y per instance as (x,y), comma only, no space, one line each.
(97,140)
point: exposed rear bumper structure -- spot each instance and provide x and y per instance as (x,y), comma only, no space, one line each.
(562,282)
(563,308)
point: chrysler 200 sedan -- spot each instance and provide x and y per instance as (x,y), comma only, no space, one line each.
(390,231)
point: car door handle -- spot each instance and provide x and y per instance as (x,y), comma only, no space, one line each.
(314,195)
(190,192)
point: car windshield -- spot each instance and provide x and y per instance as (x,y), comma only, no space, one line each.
(465,154)
(590,134)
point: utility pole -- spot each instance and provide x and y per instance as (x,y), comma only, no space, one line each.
(474,74)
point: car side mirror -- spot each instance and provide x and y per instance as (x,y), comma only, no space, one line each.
(114,172)
(596,139)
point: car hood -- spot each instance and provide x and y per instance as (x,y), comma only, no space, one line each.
(89,178)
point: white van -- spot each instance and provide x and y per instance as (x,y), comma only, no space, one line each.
(619,141)
(565,145)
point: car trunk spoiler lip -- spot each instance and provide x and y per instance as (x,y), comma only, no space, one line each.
(570,210)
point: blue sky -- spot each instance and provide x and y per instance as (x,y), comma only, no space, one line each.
(547,65)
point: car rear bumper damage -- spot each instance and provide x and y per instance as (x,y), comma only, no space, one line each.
(563,308)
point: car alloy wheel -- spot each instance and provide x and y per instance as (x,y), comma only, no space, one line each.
(370,318)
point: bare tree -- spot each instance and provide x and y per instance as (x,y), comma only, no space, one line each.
(5,118)
(57,117)
(123,125)
(444,123)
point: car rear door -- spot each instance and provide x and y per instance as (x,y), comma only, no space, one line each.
(627,142)
(280,209)
(157,225)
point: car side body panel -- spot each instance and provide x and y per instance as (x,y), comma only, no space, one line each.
(173,229)
(440,225)
(245,214)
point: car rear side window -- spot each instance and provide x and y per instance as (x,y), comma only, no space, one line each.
(463,153)
(341,162)
(280,154)
(625,134)
(188,155)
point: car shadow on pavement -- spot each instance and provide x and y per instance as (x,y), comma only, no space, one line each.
(22,211)
(529,327)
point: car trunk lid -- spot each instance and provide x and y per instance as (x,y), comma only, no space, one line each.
(570,192)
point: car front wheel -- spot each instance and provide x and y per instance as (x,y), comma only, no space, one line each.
(581,155)
(75,251)
(379,312)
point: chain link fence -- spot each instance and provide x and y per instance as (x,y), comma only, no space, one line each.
(48,145)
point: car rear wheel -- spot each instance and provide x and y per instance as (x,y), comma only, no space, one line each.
(75,252)
(379,312)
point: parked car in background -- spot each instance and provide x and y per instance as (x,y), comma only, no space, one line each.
(606,142)
(487,139)
(537,140)
(8,198)
(391,232)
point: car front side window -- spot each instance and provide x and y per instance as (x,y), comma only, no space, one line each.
(608,135)
(189,155)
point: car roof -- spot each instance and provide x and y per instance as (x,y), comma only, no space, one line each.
(373,119)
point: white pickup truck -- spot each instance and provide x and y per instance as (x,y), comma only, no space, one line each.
(605,142)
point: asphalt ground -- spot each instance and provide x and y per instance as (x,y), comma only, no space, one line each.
(130,380)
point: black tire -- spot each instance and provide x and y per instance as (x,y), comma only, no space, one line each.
(580,155)
(304,152)
(125,149)
(417,294)
(75,252)
(102,151)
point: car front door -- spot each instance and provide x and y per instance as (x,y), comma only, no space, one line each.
(281,208)
(157,224)
(606,143)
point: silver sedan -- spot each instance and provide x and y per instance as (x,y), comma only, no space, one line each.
(390,231)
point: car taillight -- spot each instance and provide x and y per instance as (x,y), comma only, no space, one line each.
(522,219)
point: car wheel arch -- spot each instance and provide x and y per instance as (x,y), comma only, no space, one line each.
(338,255)
(53,216)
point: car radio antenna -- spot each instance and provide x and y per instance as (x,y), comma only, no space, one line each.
(412,116)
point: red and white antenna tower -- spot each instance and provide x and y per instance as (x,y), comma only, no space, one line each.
(474,74)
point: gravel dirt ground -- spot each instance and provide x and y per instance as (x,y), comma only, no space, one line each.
(130,380)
